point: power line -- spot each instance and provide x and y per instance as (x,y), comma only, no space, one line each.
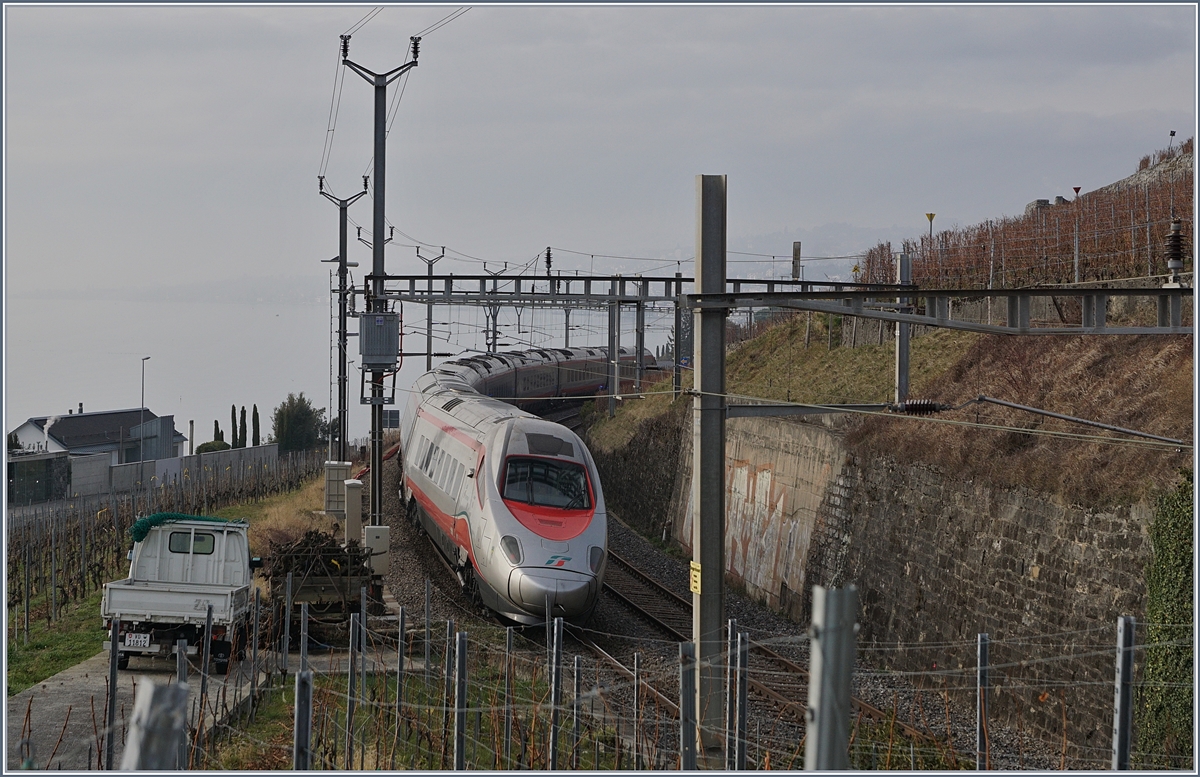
(362,22)
(445,20)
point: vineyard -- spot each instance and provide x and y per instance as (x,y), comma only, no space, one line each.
(1113,233)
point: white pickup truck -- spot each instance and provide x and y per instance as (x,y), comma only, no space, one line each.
(179,566)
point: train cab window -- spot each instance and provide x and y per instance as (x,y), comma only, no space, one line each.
(548,483)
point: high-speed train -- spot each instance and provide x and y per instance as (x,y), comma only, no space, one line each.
(512,501)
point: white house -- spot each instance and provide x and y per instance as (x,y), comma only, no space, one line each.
(126,435)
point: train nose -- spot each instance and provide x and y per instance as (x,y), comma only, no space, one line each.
(570,593)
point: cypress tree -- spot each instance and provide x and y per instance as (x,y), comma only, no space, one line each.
(242,430)
(233,425)
(216,431)
(254,421)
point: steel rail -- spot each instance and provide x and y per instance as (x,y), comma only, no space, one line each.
(795,708)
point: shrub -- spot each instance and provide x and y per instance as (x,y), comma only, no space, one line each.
(214,445)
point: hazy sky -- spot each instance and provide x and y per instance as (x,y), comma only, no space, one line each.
(161,162)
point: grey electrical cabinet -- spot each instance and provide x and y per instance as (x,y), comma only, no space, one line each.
(379,340)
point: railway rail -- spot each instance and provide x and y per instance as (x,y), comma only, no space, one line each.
(774,677)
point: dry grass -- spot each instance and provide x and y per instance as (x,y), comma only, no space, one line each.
(283,518)
(1142,383)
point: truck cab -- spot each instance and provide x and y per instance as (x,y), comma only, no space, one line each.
(179,566)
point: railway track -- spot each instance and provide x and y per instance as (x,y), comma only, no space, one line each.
(774,677)
(567,416)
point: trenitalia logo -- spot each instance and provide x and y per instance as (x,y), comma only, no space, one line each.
(557,561)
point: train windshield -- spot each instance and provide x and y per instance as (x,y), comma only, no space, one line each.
(547,482)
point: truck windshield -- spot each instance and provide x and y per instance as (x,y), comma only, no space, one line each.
(180,542)
(547,482)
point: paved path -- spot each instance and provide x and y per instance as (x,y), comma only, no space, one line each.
(78,689)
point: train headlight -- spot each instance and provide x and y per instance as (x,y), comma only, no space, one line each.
(595,558)
(511,548)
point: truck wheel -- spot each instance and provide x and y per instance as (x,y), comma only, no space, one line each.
(122,660)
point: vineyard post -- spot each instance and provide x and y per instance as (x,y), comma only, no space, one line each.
(428,637)
(743,658)
(111,719)
(287,625)
(28,561)
(401,650)
(982,754)
(254,659)
(549,635)
(730,693)
(82,556)
(1123,707)
(555,693)
(181,673)
(206,646)
(637,708)
(53,572)
(349,759)
(1077,250)
(362,641)
(302,721)
(508,700)
(903,335)
(303,633)
(831,661)
(575,719)
(447,687)
(460,701)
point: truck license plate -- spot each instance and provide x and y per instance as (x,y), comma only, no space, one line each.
(137,640)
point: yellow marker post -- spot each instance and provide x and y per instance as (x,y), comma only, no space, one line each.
(694,582)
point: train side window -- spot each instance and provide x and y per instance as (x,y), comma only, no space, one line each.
(439,460)
(424,466)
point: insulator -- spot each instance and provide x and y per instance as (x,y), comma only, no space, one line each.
(919,407)
(320,183)
(345,46)
(365,179)
(1174,246)
(416,44)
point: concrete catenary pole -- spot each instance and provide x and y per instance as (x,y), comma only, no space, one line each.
(708,463)
(343,263)
(903,275)
(378,304)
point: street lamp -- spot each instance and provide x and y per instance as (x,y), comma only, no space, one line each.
(142,411)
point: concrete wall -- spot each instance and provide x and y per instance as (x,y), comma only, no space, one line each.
(96,472)
(90,474)
(936,561)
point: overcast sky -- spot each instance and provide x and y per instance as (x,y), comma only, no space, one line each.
(161,163)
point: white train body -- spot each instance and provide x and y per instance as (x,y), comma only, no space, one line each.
(513,501)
